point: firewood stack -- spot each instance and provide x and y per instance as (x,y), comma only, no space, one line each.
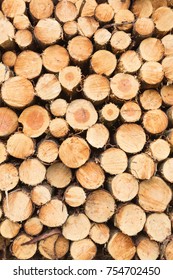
(86,129)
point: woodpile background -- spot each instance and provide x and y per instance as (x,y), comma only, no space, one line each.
(86,129)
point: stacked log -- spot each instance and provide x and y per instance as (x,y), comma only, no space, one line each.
(86,129)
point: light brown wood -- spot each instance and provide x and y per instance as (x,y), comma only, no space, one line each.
(70,29)
(24,39)
(154,195)
(168,251)
(159,3)
(99,206)
(58,127)
(76,227)
(84,249)
(90,175)
(58,107)
(17,92)
(58,175)
(65,11)
(7,33)
(3,153)
(74,196)
(167,64)
(150,99)
(163,19)
(61,247)
(48,31)
(46,247)
(119,5)
(142,8)
(33,226)
(151,49)
(169,137)
(87,26)
(28,64)
(97,135)
(114,161)
(70,77)
(130,112)
(88,7)
(166,169)
(167,41)
(166,94)
(9,58)
(124,187)
(130,219)
(143,27)
(124,20)
(104,13)
(158,226)
(11,8)
(47,151)
(151,73)
(21,22)
(159,149)
(53,214)
(130,138)
(35,121)
(32,172)
(9,229)
(81,114)
(9,121)
(99,233)
(142,166)
(48,87)
(120,41)
(129,62)
(20,146)
(80,49)
(169,113)
(103,62)
(41,9)
(101,38)
(5,73)
(109,113)
(124,86)
(23,252)
(147,249)
(55,58)
(9,177)
(11,206)
(121,246)
(41,194)
(155,121)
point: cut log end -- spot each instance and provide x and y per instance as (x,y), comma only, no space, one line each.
(75,196)
(83,249)
(99,233)
(142,166)
(47,151)
(21,251)
(147,249)
(48,87)
(58,175)
(33,226)
(41,194)
(97,135)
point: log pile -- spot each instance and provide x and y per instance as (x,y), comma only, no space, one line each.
(86,129)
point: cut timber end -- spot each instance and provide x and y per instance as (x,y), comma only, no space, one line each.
(35,121)
(124,187)
(32,172)
(46,247)
(87,9)
(90,175)
(74,196)
(114,161)
(61,247)
(9,58)
(142,166)
(143,28)
(11,206)
(81,114)
(101,38)
(150,99)
(70,29)
(84,249)
(130,219)
(159,3)
(48,31)
(97,135)
(41,194)
(24,39)
(118,5)
(7,33)
(17,92)
(76,227)
(147,249)
(99,206)
(55,58)
(47,151)
(21,22)
(124,86)
(80,49)
(154,195)
(33,226)
(28,64)
(158,226)
(5,73)
(120,41)
(159,149)
(151,49)
(58,127)
(104,13)
(131,138)
(129,62)
(48,87)
(3,154)
(53,214)
(103,62)
(109,113)
(167,95)
(167,41)
(124,20)
(9,177)
(65,11)
(20,146)
(70,77)
(9,229)
(23,252)
(87,26)
(9,121)
(41,9)
(167,170)
(155,121)
(168,251)
(58,107)
(142,8)
(59,175)
(151,73)
(99,233)
(121,246)
(13,8)
(130,112)
(167,67)
(74,152)
(163,19)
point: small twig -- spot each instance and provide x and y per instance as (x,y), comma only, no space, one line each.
(81,7)
(43,236)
